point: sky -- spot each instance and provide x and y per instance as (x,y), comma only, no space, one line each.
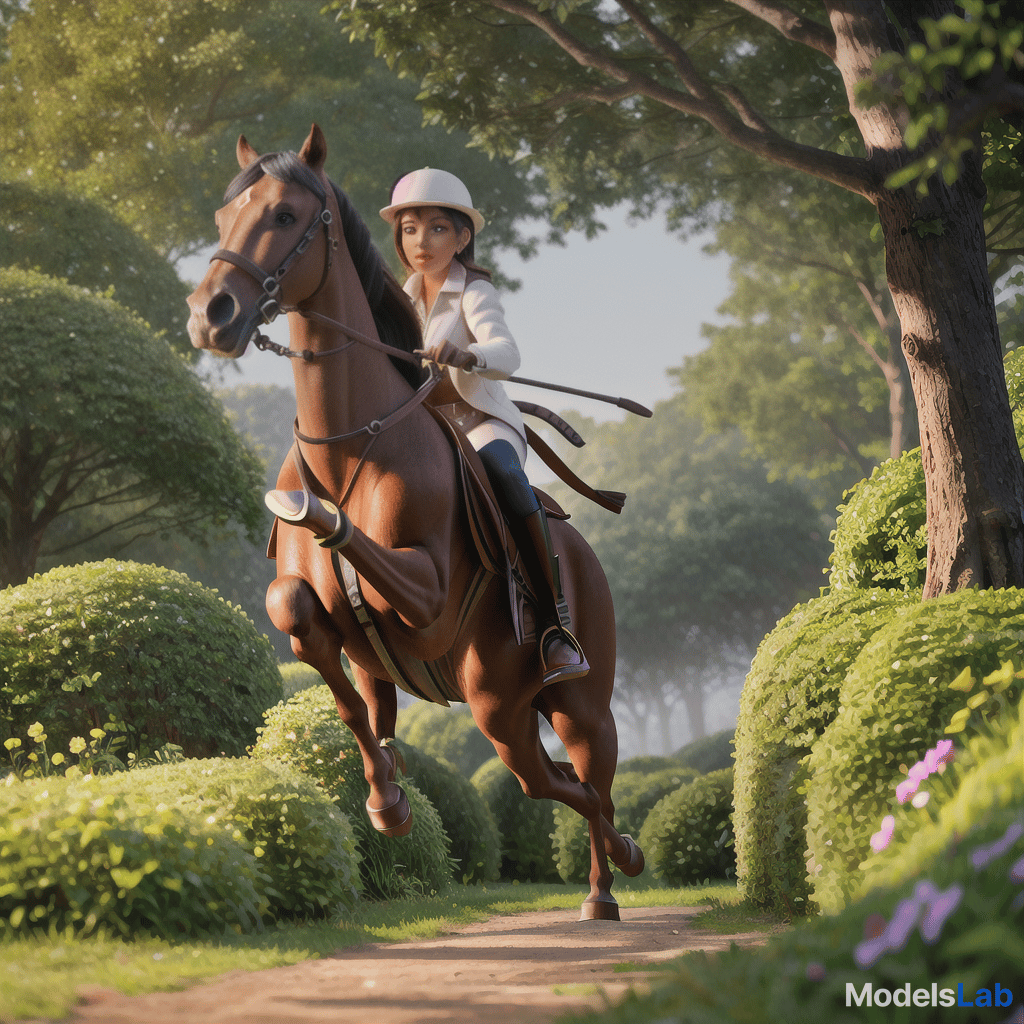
(611,315)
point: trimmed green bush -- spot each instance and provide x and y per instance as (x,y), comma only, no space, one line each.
(985,775)
(645,764)
(307,732)
(76,856)
(448,733)
(880,538)
(954,916)
(525,825)
(468,821)
(894,704)
(634,793)
(302,841)
(688,837)
(791,695)
(146,648)
(296,676)
(707,754)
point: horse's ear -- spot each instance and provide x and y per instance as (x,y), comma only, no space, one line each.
(245,153)
(314,150)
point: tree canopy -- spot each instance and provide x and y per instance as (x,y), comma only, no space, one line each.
(105,433)
(75,239)
(139,106)
(662,102)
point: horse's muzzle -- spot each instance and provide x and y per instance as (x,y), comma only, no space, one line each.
(218,324)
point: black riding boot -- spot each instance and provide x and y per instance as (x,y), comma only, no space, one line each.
(560,653)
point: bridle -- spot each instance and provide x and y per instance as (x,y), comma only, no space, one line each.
(269,306)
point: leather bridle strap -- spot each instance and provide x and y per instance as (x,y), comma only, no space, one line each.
(270,304)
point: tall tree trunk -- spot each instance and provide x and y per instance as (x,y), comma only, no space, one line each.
(937,273)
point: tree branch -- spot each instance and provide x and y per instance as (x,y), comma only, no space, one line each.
(791,25)
(852,173)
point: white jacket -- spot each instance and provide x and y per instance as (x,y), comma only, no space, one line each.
(472,319)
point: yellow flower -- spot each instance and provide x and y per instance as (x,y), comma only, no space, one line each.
(77,745)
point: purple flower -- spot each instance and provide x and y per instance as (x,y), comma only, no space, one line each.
(880,840)
(920,771)
(984,855)
(940,906)
(940,754)
(906,789)
(1017,871)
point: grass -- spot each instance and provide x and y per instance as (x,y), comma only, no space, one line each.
(41,976)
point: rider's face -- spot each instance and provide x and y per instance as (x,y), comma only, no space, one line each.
(430,240)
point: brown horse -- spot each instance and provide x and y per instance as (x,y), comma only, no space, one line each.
(368,444)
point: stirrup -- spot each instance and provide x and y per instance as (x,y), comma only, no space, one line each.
(559,673)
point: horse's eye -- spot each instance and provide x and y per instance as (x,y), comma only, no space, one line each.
(282,220)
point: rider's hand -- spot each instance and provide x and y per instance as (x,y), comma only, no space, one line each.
(446,354)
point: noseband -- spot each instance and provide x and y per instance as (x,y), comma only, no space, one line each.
(269,304)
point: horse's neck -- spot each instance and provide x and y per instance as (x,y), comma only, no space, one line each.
(343,392)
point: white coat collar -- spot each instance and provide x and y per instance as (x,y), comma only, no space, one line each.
(454,282)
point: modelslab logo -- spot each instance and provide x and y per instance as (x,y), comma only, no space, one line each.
(934,996)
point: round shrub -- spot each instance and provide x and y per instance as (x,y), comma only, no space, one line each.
(525,825)
(707,754)
(77,855)
(880,539)
(894,704)
(297,676)
(448,733)
(688,838)
(304,844)
(790,697)
(645,764)
(634,793)
(307,732)
(146,648)
(471,828)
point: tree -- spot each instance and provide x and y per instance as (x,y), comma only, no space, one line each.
(105,434)
(139,106)
(77,240)
(703,560)
(609,90)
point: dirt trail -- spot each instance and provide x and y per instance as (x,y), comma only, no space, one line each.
(519,969)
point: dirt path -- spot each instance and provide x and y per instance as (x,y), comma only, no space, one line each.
(519,969)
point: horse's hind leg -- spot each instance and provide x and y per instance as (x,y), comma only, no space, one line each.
(516,738)
(295,609)
(587,728)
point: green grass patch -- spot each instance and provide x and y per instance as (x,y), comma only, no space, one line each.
(40,975)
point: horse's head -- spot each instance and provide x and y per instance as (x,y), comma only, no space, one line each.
(275,246)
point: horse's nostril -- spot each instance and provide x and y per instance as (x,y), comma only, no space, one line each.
(221,310)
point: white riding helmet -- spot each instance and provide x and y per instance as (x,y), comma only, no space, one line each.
(431,187)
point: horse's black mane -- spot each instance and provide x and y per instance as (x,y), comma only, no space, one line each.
(393,315)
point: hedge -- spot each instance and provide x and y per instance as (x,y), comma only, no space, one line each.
(161,657)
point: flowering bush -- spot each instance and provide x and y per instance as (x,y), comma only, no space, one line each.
(895,704)
(945,915)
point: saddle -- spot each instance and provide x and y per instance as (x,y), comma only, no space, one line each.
(496,551)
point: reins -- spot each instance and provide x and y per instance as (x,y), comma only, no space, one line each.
(270,307)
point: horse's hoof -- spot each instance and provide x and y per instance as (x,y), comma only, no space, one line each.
(602,909)
(635,863)
(395,820)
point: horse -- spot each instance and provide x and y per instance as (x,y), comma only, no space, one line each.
(399,571)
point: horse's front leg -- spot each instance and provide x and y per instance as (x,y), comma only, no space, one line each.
(295,609)
(411,579)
